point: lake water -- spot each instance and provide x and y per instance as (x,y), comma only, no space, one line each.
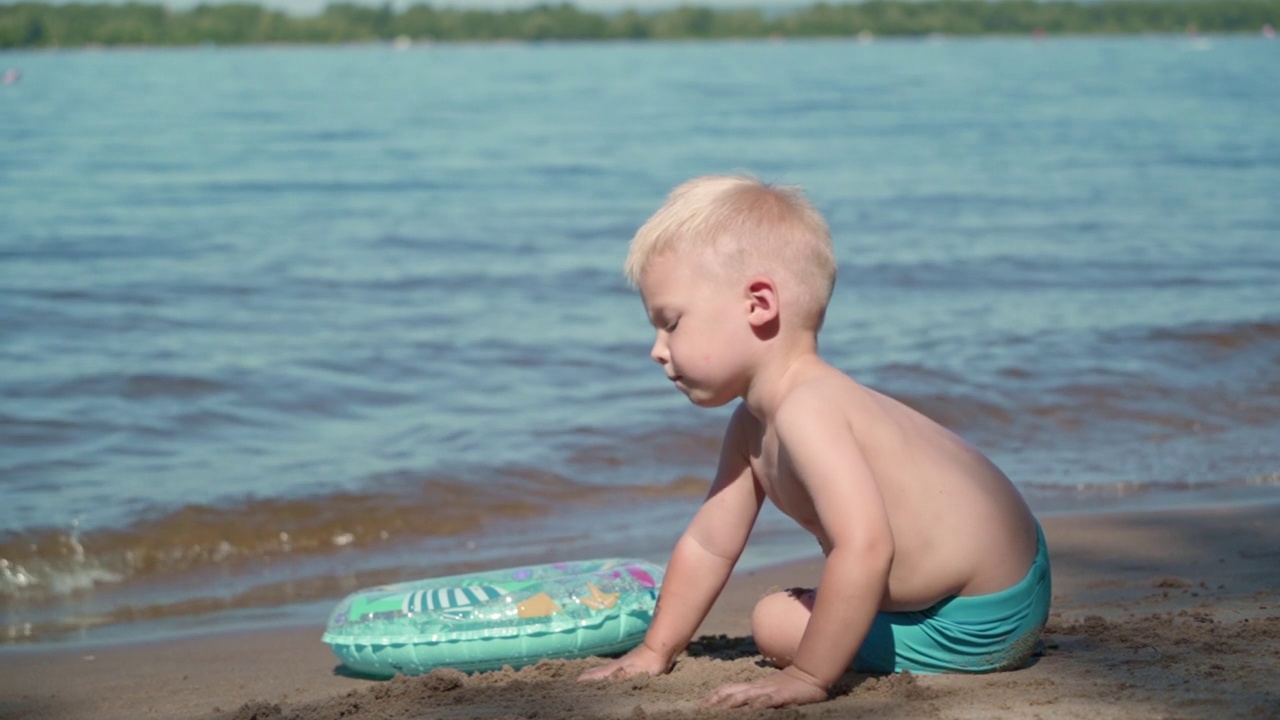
(280,323)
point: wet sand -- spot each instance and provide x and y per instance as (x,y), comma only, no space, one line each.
(1171,614)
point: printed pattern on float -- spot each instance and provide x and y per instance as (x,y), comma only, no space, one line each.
(445,598)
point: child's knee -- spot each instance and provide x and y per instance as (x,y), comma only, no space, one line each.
(778,623)
(766,609)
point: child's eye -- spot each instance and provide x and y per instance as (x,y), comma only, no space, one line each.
(671,326)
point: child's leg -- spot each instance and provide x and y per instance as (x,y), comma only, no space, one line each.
(778,624)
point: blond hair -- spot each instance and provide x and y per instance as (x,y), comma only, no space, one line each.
(744,227)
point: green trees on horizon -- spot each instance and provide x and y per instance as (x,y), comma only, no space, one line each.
(34,24)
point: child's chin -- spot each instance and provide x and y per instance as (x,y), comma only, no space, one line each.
(707,401)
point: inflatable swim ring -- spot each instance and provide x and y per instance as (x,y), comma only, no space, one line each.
(514,617)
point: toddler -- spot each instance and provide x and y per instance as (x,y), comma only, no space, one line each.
(933,561)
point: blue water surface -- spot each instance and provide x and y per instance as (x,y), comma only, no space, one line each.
(232,280)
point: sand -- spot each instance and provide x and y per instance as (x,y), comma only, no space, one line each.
(1171,614)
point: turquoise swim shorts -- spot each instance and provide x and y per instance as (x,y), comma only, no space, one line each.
(979,634)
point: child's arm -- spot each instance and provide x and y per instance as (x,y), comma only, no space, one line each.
(825,458)
(701,562)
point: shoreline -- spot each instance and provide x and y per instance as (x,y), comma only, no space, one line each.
(428,44)
(776,543)
(1143,601)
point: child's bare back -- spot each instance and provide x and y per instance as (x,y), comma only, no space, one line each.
(959,526)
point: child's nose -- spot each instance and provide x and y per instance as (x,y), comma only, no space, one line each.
(659,351)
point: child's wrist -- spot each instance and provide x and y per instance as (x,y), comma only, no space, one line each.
(667,659)
(801,675)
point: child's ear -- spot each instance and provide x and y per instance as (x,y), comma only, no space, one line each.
(762,299)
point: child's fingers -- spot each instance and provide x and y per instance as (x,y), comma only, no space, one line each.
(616,670)
(598,673)
(774,691)
(729,696)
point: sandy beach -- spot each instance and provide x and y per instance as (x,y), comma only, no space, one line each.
(1162,614)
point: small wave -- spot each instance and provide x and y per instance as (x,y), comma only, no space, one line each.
(962,412)
(1141,411)
(1096,491)
(1144,495)
(569,170)
(341,135)
(1201,162)
(318,187)
(690,447)
(130,386)
(1221,336)
(67,571)
(1196,378)
(19,431)
(1019,273)
(145,386)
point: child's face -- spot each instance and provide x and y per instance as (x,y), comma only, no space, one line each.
(703,337)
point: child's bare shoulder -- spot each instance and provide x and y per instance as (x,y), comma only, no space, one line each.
(824,393)
(818,414)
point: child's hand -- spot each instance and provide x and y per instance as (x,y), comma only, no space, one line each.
(776,690)
(640,661)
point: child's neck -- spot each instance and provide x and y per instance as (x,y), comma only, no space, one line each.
(781,369)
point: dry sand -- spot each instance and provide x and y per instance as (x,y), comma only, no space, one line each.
(1171,614)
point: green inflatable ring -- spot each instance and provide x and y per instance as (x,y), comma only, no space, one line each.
(488,620)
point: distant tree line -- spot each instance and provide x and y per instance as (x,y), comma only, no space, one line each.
(32,25)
